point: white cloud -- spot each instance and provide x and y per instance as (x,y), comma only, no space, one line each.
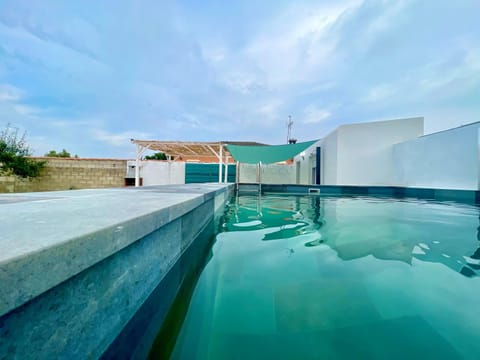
(472,58)
(26,110)
(242,82)
(379,93)
(296,44)
(376,58)
(269,109)
(9,93)
(190,120)
(315,115)
(45,52)
(213,53)
(386,18)
(455,77)
(119,139)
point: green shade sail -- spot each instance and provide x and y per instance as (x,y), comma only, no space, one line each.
(267,154)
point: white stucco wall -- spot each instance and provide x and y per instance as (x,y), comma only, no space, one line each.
(365,150)
(305,168)
(329,155)
(155,172)
(360,154)
(271,174)
(447,160)
(306,161)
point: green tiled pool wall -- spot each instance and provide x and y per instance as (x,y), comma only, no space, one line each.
(465,196)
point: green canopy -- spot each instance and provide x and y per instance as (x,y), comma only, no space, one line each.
(267,154)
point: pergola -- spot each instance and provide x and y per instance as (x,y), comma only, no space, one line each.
(180,150)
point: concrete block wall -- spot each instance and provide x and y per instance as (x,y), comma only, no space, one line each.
(69,173)
(7,184)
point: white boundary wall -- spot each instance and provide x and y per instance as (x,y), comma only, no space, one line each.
(157,172)
(304,163)
(446,160)
(271,173)
(364,151)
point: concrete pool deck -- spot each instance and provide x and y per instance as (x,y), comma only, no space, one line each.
(48,239)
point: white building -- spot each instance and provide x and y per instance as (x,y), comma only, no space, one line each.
(393,153)
(381,153)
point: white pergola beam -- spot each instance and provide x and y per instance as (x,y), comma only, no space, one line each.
(181,149)
(220,164)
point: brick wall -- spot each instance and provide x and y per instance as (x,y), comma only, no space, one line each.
(65,174)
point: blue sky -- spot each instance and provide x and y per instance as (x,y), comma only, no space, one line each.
(89,75)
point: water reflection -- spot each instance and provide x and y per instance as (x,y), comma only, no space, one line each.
(359,227)
(473,262)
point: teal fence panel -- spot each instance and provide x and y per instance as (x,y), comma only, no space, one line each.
(202,173)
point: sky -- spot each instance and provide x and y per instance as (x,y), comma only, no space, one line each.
(87,76)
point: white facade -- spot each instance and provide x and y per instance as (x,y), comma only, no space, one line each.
(445,160)
(359,154)
(157,172)
(364,151)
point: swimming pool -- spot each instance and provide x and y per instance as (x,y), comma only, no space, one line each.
(310,277)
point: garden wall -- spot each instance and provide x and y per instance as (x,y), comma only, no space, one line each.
(70,173)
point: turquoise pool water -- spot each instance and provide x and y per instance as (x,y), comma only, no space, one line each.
(299,277)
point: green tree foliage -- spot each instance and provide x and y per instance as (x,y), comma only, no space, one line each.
(61,154)
(14,153)
(156,156)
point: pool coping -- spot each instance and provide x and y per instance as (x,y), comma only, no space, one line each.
(50,237)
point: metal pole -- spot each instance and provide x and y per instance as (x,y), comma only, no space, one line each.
(225,178)
(260,177)
(259,197)
(220,163)
(137,167)
(237,173)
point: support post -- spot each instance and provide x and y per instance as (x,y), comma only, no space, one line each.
(260,177)
(225,178)
(237,173)
(137,166)
(317,165)
(259,172)
(259,197)
(220,164)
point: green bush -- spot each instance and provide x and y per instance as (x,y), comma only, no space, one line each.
(156,156)
(14,153)
(61,154)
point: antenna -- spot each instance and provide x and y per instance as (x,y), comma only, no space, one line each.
(289,127)
(290,140)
